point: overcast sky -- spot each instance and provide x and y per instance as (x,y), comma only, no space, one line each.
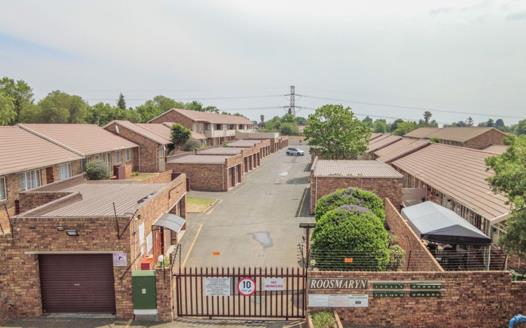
(458,56)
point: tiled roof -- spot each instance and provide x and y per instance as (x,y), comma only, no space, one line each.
(98,198)
(84,139)
(451,134)
(220,151)
(21,151)
(375,135)
(145,131)
(400,148)
(195,135)
(354,169)
(209,117)
(199,159)
(381,142)
(459,173)
(243,143)
(496,149)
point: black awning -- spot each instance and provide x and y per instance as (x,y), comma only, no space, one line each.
(436,223)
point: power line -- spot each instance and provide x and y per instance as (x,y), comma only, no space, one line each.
(410,107)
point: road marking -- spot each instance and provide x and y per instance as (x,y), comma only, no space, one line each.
(193,243)
(211,209)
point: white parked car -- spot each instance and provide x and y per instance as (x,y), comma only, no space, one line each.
(295,152)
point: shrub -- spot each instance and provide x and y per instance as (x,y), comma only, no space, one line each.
(350,196)
(289,129)
(396,257)
(97,170)
(347,232)
(191,144)
(323,319)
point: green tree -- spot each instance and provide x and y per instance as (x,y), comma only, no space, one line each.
(20,93)
(380,126)
(300,120)
(427,117)
(7,109)
(350,232)
(520,128)
(395,124)
(368,122)
(121,103)
(337,132)
(60,107)
(180,135)
(405,127)
(289,129)
(499,124)
(510,180)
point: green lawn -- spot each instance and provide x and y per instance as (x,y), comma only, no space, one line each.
(198,204)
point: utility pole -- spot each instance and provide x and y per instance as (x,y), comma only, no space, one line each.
(292,104)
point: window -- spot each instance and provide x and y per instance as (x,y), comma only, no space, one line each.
(219,127)
(232,127)
(207,126)
(30,180)
(3,189)
(117,156)
(64,171)
(161,152)
(241,127)
(128,154)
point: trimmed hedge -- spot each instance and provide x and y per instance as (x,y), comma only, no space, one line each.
(347,232)
(350,196)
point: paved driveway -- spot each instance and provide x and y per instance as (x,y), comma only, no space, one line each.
(255,224)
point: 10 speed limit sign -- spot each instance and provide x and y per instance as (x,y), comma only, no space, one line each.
(246,286)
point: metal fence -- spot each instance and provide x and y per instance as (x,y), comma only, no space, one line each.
(241,292)
(345,260)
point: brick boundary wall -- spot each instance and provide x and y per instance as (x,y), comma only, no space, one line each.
(470,299)
(163,177)
(417,256)
(165,301)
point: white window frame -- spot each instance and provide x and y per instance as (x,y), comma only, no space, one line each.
(117,157)
(3,189)
(67,167)
(31,184)
(128,154)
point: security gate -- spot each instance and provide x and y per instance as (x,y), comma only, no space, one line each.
(241,292)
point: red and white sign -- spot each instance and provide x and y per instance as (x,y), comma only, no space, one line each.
(246,286)
(273,284)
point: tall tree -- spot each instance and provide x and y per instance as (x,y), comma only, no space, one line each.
(180,135)
(380,126)
(121,103)
(368,121)
(7,109)
(499,124)
(520,128)
(510,180)
(60,107)
(405,127)
(20,93)
(427,116)
(469,121)
(337,132)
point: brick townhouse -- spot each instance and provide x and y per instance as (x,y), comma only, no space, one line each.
(217,128)
(470,137)
(153,143)
(210,172)
(456,178)
(92,143)
(329,175)
(74,247)
(260,146)
(277,142)
(250,157)
(28,162)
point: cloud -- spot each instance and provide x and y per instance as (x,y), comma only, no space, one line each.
(517,16)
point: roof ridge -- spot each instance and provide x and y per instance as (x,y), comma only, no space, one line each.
(40,135)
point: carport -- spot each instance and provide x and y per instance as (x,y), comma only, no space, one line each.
(436,223)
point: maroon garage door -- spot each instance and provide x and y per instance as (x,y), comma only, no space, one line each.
(77,283)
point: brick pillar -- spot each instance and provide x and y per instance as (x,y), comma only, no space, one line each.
(165,301)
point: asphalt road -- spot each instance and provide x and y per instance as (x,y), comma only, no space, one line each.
(255,224)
